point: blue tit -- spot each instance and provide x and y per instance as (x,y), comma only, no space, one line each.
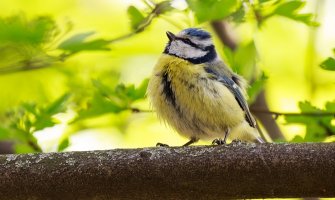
(195,92)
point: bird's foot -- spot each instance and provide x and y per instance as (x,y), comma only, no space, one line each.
(161,145)
(219,141)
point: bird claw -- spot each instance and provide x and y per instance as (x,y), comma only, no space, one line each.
(218,142)
(161,145)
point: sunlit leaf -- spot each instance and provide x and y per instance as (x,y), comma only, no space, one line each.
(330,106)
(239,15)
(298,139)
(290,9)
(18,29)
(162,7)
(107,100)
(136,17)
(328,64)
(79,42)
(256,87)
(229,56)
(245,59)
(141,90)
(206,10)
(59,105)
(63,144)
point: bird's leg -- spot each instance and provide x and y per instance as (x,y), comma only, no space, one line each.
(193,140)
(161,145)
(226,133)
(220,141)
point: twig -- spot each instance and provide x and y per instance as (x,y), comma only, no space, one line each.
(315,114)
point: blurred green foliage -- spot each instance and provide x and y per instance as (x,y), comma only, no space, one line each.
(87,96)
(329,63)
(318,121)
(213,9)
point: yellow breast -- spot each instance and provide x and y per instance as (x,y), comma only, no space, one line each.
(190,101)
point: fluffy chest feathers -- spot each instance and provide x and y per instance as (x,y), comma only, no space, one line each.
(184,95)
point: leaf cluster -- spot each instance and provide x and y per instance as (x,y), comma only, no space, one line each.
(318,122)
(20,123)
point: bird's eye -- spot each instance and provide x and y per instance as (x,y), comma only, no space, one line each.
(188,40)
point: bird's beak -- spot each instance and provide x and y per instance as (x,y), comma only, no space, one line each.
(170,35)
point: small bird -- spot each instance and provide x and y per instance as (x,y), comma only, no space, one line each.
(193,90)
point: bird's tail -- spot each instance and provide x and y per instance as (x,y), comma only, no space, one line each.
(259,140)
(245,132)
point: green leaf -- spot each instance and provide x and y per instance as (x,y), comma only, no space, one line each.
(103,89)
(298,139)
(162,7)
(239,15)
(139,22)
(229,56)
(78,43)
(328,64)
(5,133)
(330,106)
(289,7)
(141,90)
(256,87)
(107,100)
(59,105)
(208,10)
(136,17)
(100,105)
(245,60)
(290,10)
(17,29)
(45,118)
(63,144)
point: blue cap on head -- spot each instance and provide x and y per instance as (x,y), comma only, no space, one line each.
(197,32)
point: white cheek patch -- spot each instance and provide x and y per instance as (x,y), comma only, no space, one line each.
(183,50)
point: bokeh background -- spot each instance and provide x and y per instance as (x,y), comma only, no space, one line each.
(73,73)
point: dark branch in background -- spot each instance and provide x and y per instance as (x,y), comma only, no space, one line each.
(260,103)
(235,171)
(6,147)
(268,122)
(221,29)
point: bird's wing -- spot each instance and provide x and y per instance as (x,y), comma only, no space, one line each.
(235,89)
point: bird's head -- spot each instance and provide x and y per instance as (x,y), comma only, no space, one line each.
(192,44)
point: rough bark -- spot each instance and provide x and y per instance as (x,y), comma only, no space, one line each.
(199,172)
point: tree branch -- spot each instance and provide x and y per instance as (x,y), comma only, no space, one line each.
(221,29)
(267,120)
(234,171)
